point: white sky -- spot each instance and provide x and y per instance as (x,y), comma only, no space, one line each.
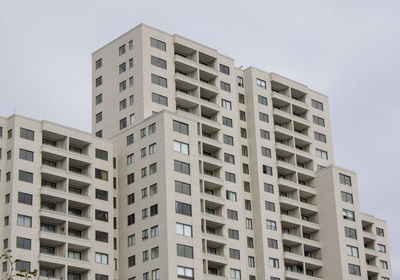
(348,50)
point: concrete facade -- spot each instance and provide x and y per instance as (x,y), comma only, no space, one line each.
(219,173)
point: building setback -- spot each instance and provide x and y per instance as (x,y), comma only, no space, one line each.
(196,170)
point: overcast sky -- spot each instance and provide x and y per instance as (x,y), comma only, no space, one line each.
(348,50)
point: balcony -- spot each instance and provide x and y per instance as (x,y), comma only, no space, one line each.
(54,140)
(78,146)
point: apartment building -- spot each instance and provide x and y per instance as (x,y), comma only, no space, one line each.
(238,164)
(56,200)
(203,170)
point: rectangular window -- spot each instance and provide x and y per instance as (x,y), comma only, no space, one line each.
(245,151)
(122,67)
(273,263)
(153,210)
(23,266)
(249,223)
(240,81)
(317,105)
(267,169)
(131,219)
(234,254)
(152,128)
(99,63)
(27,134)
(130,44)
(101,215)
(228,140)
(347,197)
(348,215)
(183,208)
(158,80)
(181,147)
(231,196)
(224,69)
(130,178)
(122,104)
(181,127)
(233,234)
(122,123)
(131,81)
(24,221)
(350,232)
(131,261)
(380,232)
(99,99)
(247,204)
(354,269)
(25,176)
(101,258)
(182,187)
(152,150)
(232,214)
(130,158)
(352,251)
(160,99)
(131,240)
(184,251)
(101,194)
(242,115)
(225,86)
(261,83)
(266,152)
(321,153)
(383,264)
(26,155)
(268,188)
(227,121)
(226,104)
(318,121)
(99,81)
(131,198)
(263,117)
(344,179)
(122,49)
(185,230)
(158,62)
(132,118)
(319,137)
(182,167)
(272,243)
(271,225)
(158,44)
(131,100)
(101,154)
(230,177)
(229,158)
(101,236)
(235,274)
(24,198)
(23,243)
(101,277)
(381,248)
(241,98)
(262,100)
(122,86)
(270,206)
(185,272)
(101,174)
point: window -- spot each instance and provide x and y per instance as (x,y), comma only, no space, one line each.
(131,81)
(145,255)
(347,197)
(381,248)
(234,254)
(246,186)
(153,189)
(144,192)
(122,123)
(122,104)
(235,274)
(130,158)
(158,62)
(143,172)
(181,127)
(184,251)
(153,210)
(155,273)
(131,219)
(348,215)
(99,134)
(245,168)
(23,266)
(272,243)
(247,204)
(344,179)
(228,139)
(181,147)
(26,155)
(101,194)
(242,116)
(101,215)
(122,49)
(99,99)
(27,134)
(231,196)
(185,230)
(225,86)
(130,178)
(251,261)
(158,44)
(271,225)
(7,198)
(262,100)
(158,80)
(230,177)
(182,187)
(232,214)
(354,269)
(122,86)
(101,236)
(130,44)
(243,132)
(318,121)
(100,154)
(240,81)
(182,167)
(263,117)
(183,208)
(227,121)
(101,277)
(131,198)
(267,169)
(268,188)
(101,174)
(265,152)
(23,243)
(319,137)
(160,99)
(185,272)
(154,231)
(132,118)
(25,176)
(226,104)
(380,232)
(8,176)
(229,158)
(24,221)
(131,100)
(383,264)
(152,150)
(245,151)
(99,63)
(129,139)
(321,153)
(273,263)
(224,69)
(270,206)
(233,234)
(131,240)
(350,233)
(122,67)
(249,223)
(9,155)
(317,105)
(241,98)
(352,251)
(261,83)
(131,261)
